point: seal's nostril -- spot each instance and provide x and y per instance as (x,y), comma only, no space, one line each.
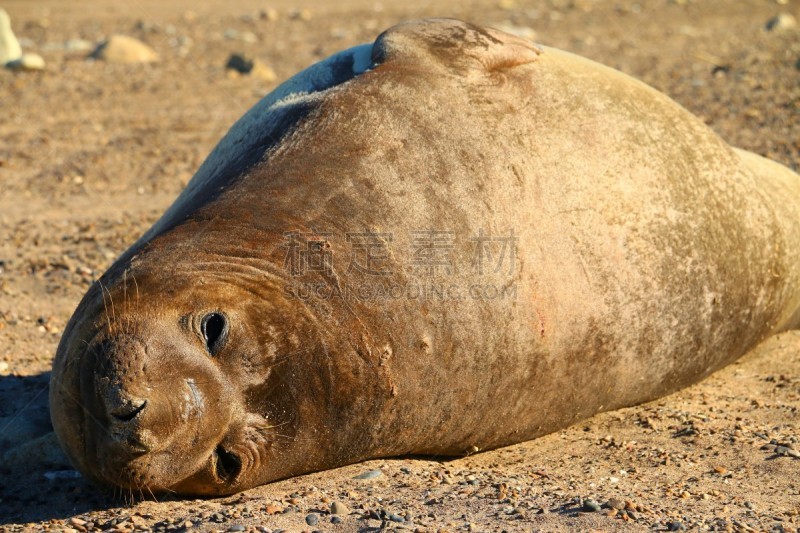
(129,412)
(228,465)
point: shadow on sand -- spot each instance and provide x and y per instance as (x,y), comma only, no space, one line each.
(38,484)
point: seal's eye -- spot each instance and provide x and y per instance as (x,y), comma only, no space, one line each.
(215,330)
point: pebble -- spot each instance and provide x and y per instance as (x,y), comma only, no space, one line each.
(28,62)
(270,14)
(336,519)
(240,64)
(301,14)
(339,508)
(782,22)
(677,526)
(124,49)
(371,474)
(312,519)
(396,518)
(590,506)
(273,509)
(244,36)
(236,528)
(786,451)
(615,503)
(78,45)
(10,50)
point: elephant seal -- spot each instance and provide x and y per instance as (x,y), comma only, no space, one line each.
(448,240)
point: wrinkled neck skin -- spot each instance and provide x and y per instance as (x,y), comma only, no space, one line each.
(142,402)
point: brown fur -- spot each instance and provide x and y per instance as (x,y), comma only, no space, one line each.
(649,254)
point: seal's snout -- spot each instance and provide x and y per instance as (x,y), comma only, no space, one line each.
(123,408)
(131,412)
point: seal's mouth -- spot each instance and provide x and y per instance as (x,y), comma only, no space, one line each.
(227,465)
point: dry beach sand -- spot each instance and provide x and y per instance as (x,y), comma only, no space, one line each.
(92,152)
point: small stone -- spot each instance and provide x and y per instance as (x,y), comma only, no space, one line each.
(77,522)
(721,470)
(237,527)
(28,62)
(615,503)
(339,508)
(124,49)
(270,14)
(241,64)
(336,519)
(301,14)
(371,474)
(77,45)
(786,451)
(782,22)
(590,506)
(677,526)
(10,50)
(244,36)
(312,519)
(273,509)
(396,518)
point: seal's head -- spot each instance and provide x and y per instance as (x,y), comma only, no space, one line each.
(173,382)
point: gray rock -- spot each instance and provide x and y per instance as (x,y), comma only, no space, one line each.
(244,36)
(372,474)
(590,506)
(10,49)
(77,45)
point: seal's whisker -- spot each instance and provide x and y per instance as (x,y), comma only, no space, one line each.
(105,306)
(113,311)
(124,291)
(136,284)
(270,426)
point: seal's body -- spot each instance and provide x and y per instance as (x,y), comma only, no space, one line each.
(448,240)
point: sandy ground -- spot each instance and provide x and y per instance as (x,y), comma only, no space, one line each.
(91,153)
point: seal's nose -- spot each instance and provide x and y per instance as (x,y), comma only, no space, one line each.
(122,407)
(129,411)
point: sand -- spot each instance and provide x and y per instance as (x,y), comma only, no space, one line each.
(91,153)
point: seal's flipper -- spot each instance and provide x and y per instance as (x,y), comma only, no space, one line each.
(453,45)
(782,188)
